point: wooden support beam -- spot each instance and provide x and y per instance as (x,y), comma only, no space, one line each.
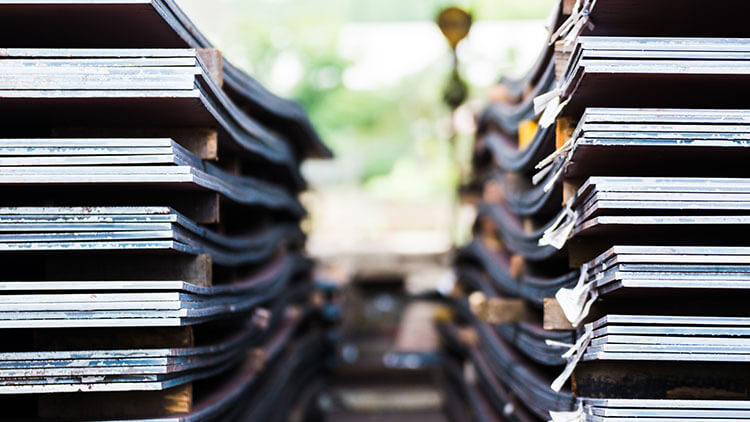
(488,235)
(444,313)
(201,207)
(117,405)
(567,6)
(491,242)
(570,188)
(203,142)
(504,310)
(562,57)
(499,93)
(497,310)
(529,225)
(493,192)
(528,89)
(554,318)
(563,131)
(468,336)
(516,266)
(214,62)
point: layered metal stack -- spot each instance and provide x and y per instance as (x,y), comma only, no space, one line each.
(153,260)
(611,242)
(503,274)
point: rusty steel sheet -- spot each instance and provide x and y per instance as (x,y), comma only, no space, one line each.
(504,118)
(516,239)
(656,142)
(524,379)
(675,73)
(134,161)
(126,373)
(241,189)
(663,410)
(129,307)
(500,396)
(287,375)
(57,84)
(667,18)
(476,261)
(162,25)
(528,337)
(668,338)
(643,210)
(654,271)
(523,197)
(100,228)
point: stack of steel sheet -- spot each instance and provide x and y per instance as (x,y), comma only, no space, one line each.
(648,210)
(171,85)
(103,228)
(634,270)
(645,355)
(626,226)
(668,338)
(678,142)
(655,213)
(162,24)
(611,410)
(648,71)
(150,226)
(504,273)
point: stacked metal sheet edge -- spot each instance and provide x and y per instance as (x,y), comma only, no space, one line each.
(610,248)
(150,227)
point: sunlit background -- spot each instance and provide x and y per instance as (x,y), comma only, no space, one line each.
(371,74)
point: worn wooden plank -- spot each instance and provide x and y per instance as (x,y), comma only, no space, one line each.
(212,58)
(119,405)
(554,318)
(567,6)
(115,405)
(562,57)
(493,192)
(529,225)
(516,266)
(563,131)
(498,310)
(570,189)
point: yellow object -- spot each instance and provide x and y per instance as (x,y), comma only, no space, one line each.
(526,131)
(454,24)
(443,314)
(563,131)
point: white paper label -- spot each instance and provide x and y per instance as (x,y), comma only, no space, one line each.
(575,416)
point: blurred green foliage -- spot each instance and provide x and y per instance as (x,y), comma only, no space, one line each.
(391,137)
(288,11)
